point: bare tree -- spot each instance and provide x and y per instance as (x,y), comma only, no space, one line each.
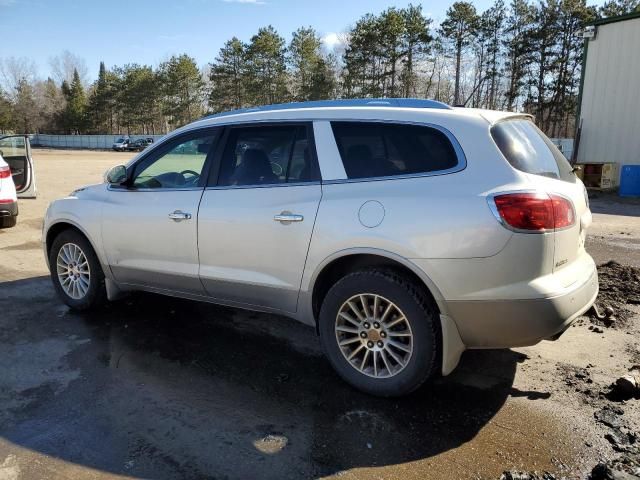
(63,66)
(15,70)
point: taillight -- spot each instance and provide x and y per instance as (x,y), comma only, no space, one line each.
(5,172)
(563,215)
(536,212)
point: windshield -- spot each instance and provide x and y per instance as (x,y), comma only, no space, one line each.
(529,150)
(120,140)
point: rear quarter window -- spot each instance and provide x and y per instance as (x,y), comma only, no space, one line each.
(370,149)
(529,150)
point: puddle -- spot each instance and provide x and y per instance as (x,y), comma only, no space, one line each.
(175,389)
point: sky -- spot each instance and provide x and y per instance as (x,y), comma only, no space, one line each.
(147,32)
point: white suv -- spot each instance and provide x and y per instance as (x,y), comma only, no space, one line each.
(8,198)
(404,231)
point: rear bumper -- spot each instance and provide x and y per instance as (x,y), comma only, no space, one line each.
(9,209)
(517,323)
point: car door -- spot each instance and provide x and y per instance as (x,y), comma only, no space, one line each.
(16,151)
(149,224)
(257,216)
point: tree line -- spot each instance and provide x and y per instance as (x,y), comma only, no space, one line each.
(522,56)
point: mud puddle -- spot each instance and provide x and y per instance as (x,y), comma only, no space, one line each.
(165,388)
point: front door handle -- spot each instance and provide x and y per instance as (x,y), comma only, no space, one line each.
(288,217)
(179,215)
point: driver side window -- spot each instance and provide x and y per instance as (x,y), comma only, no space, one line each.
(179,167)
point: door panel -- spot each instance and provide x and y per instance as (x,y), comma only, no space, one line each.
(149,224)
(16,151)
(256,220)
(144,246)
(248,257)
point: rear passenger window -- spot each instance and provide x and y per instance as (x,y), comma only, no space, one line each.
(267,155)
(529,150)
(384,149)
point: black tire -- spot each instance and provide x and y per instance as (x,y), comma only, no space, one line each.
(421,315)
(96,293)
(8,222)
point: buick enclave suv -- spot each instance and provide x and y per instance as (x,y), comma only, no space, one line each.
(404,231)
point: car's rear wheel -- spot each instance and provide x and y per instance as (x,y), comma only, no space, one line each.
(76,272)
(9,221)
(380,332)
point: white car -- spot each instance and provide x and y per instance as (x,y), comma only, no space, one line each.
(17,176)
(121,144)
(8,197)
(15,150)
(404,231)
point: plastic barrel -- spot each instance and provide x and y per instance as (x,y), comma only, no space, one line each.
(630,181)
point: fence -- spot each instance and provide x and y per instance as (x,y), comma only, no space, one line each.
(82,141)
(106,141)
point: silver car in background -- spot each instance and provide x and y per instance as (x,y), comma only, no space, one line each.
(404,231)
(121,144)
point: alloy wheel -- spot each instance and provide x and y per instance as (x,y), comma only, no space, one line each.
(374,335)
(73,271)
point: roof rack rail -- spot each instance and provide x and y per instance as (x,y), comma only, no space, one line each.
(345,102)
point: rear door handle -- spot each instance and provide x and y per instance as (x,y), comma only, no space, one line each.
(179,215)
(288,217)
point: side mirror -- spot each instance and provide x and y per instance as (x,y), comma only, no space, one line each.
(116,175)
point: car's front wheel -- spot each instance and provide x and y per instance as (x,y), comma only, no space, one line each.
(380,332)
(76,272)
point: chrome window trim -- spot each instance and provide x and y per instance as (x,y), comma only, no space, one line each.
(392,177)
(114,188)
(264,185)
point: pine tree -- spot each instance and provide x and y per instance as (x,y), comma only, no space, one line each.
(53,104)
(362,59)
(573,15)
(266,68)
(75,110)
(183,89)
(228,76)
(493,21)
(613,8)
(25,108)
(416,40)
(138,98)
(312,78)
(460,26)
(517,41)
(392,49)
(102,102)
(6,113)
(544,38)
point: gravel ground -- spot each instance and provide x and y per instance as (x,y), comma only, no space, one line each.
(156,387)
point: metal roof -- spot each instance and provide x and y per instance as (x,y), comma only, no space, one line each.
(346,102)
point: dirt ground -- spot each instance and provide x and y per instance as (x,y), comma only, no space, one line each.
(156,387)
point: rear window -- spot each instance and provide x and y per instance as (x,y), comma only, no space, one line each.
(371,149)
(529,150)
